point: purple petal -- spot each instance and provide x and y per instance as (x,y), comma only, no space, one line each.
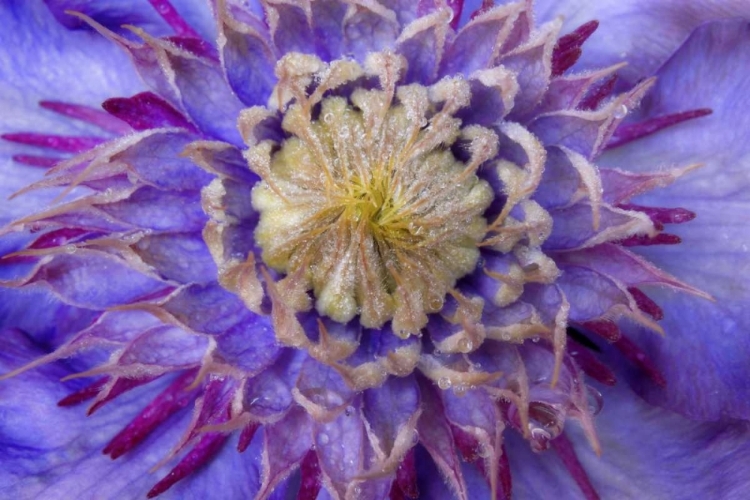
(36,434)
(286,444)
(113,14)
(704,347)
(58,56)
(248,59)
(181,257)
(76,279)
(642,32)
(340,464)
(649,452)
(389,408)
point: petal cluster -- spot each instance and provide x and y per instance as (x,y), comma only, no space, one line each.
(353,236)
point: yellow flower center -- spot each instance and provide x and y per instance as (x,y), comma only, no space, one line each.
(364,203)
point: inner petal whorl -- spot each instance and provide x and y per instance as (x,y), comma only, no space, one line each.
(364,202)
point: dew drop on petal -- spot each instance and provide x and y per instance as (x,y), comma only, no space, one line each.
(595,400)
(621,111)
(444,383)
(323,438)
(465,345)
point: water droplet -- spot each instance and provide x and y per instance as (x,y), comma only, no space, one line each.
(539,433)
(349,411)
(535,339)
(595,400)
(483,450)
(70,249)
(436,302)
(465,345)
(460,390)
(621,111)
(444,383)
(323,438)
(328,117)
(415,437)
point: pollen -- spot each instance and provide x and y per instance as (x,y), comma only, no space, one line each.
(365,203)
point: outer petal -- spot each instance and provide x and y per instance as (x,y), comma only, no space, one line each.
(114,13)
(653,453)
(43,60)
(707,344)
(647,452)
(32,452)
(642,32)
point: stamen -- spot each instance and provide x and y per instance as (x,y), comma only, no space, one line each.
(201,453)
(662,215)
(595,96)
(120,386)
(172,399)
(58,237)
(590,365)
(88,392)
(606,329)
(310,471)
(246,436)
(630,132)
(645,240)
(638,357)
(567,454)
(568,48)
(56,142)
(405,484)
(37,161)
(84,113)
(146,111)
(645,303)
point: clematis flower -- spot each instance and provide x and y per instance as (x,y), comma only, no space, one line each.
(362,249)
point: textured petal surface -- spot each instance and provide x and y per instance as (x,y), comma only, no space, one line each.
(647,452)
(121,282)
(55,436)
(653,453)
(44,63)
(709,338)
(642,32)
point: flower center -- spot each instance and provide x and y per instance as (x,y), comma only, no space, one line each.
(364,202)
